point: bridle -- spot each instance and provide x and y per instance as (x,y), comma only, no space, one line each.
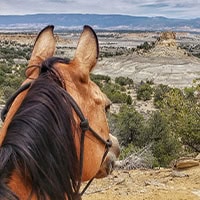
(84,125)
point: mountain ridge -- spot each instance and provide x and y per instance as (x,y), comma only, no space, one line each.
(99,21)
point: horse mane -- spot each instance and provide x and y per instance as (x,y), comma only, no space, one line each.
(39,143)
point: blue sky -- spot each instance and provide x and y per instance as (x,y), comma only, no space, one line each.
(167,8)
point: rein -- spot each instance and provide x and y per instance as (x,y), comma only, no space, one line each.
(84,125)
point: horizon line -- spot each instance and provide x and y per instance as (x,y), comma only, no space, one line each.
(113,14)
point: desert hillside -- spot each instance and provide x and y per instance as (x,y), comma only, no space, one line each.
(165,63)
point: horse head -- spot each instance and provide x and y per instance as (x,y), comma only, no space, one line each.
(85,115)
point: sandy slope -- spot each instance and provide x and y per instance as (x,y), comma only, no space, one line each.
(162,184)
(176,70)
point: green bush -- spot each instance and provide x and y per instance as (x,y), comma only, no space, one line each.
(146,46)
(100,78)
(123,81)
(160,93)
(114,93)
(183,118)
(129,126)
(189,93)
(129,100)
(165,146)
(10,79)
(144,92)
(7,92)
(135,132)
(127,151)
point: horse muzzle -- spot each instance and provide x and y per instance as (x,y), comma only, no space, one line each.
(109,162)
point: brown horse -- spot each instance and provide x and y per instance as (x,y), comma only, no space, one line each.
(55,134)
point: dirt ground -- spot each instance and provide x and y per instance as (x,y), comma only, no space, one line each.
(160,184)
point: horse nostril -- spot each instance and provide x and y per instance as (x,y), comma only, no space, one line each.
(113,164)
(110,167)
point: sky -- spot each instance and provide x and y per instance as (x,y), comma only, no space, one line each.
(184,9)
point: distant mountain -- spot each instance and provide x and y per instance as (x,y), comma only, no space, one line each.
(110,22)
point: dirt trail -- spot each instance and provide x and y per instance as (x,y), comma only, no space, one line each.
(162,184)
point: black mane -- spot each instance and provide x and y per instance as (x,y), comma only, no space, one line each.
(40,142)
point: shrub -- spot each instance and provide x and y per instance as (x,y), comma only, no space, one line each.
(183,118)
(7,92)
(129,100)
(10,79)
(127,151)
(144,92)
(99,77)
(160,93)
(129,126)
(123,81)
(113,91)
(189,93)
(146,46)
(134,132)
(165,146)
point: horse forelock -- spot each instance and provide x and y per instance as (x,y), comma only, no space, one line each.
(42,140)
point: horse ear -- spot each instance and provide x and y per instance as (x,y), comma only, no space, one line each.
(87,51)
(44,48)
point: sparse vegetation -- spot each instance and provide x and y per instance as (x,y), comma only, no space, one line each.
(10,78)
(160,92)
(135,132)
(145,47)
(144,91)
(172,130)
(107,52)
(124,81)
(116,92)
(182,114)
(13,59)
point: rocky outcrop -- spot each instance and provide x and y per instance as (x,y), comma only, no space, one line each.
(184,163)
(167,39)
(166,46)
(167,35)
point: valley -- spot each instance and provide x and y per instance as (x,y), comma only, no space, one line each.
(171,61)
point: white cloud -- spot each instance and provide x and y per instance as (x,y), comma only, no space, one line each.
(166,8)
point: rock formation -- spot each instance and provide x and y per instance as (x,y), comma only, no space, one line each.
(167,39)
